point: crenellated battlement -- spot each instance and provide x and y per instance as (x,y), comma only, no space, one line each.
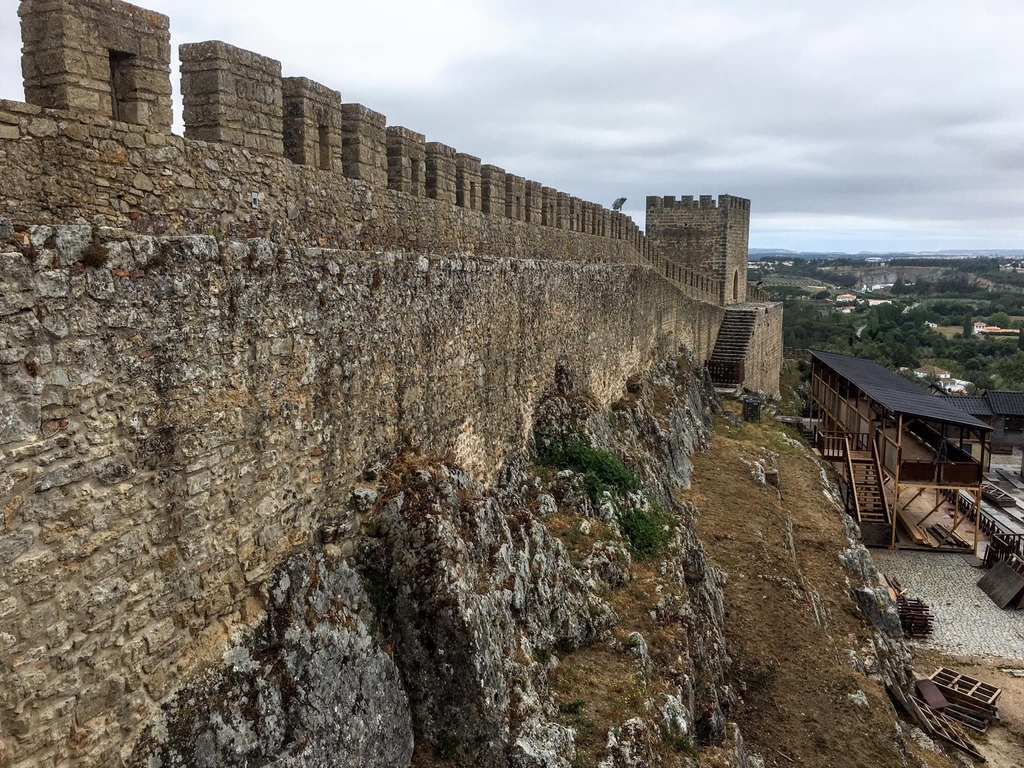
(655,202)
(109,59)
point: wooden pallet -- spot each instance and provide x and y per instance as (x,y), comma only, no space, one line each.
(947,729)
(967,691)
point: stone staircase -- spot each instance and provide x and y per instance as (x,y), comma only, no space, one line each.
(726,364)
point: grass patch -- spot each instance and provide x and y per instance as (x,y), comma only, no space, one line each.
(647,531)
(572,707)
(602,471)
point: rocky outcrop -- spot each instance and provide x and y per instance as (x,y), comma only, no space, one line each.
(308,686)
(565,614)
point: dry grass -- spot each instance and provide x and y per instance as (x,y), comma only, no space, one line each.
(796,708)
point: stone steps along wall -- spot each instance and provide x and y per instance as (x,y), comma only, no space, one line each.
(178,415)
(734,335)
(237,98)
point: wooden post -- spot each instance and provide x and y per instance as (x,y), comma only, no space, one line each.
(896,479)
(977,517)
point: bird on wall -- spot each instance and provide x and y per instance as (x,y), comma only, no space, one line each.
(617,205)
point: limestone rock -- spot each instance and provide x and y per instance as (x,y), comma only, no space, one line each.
(310,686)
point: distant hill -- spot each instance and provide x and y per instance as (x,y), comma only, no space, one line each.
(782,253)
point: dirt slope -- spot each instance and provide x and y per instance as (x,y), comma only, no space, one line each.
(791,623)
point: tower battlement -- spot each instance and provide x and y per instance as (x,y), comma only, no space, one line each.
(655,202)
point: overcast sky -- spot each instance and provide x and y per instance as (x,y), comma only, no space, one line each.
(860,125)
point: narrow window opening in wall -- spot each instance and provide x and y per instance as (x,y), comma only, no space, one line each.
(414,177)
(735,286)
(519,207)
(325,148)
(473,203)
(120,85)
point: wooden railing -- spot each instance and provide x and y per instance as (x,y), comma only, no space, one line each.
(955,473)
(831,445)
(881,480)
(1001,546)
(851,483)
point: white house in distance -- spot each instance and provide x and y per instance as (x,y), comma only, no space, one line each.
(979,326)
(877,302)
(943,378)
(846,298)
(930,370)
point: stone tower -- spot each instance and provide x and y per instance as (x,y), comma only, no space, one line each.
(706,236)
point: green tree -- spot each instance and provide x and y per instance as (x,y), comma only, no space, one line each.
(968,326)
(1001,319)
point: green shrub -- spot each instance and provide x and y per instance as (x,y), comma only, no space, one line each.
(646,531)
(572,707)
(601,470)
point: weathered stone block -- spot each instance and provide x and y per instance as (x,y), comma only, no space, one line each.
(467,181)
(407,161)
(312,124)
(441,172)
(364,145)
(232,96)
(492,183)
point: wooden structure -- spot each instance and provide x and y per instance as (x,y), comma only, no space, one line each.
(901,451)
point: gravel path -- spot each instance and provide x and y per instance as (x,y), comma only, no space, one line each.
(967,622)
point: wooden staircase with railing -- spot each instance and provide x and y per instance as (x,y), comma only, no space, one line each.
(866,479)
(867,499)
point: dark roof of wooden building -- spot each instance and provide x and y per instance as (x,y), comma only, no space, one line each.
(995,402)
(1004,403)
(896,393)
(973,404)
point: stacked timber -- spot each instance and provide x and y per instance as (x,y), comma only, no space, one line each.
(915,616)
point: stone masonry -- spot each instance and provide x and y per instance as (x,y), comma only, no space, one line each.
(232,96)
(706,236)
(205,340)
(98,56)
(178,415)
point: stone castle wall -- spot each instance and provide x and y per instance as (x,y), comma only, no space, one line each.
(764,354)
(205,340)
(178,415)
(263,155)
